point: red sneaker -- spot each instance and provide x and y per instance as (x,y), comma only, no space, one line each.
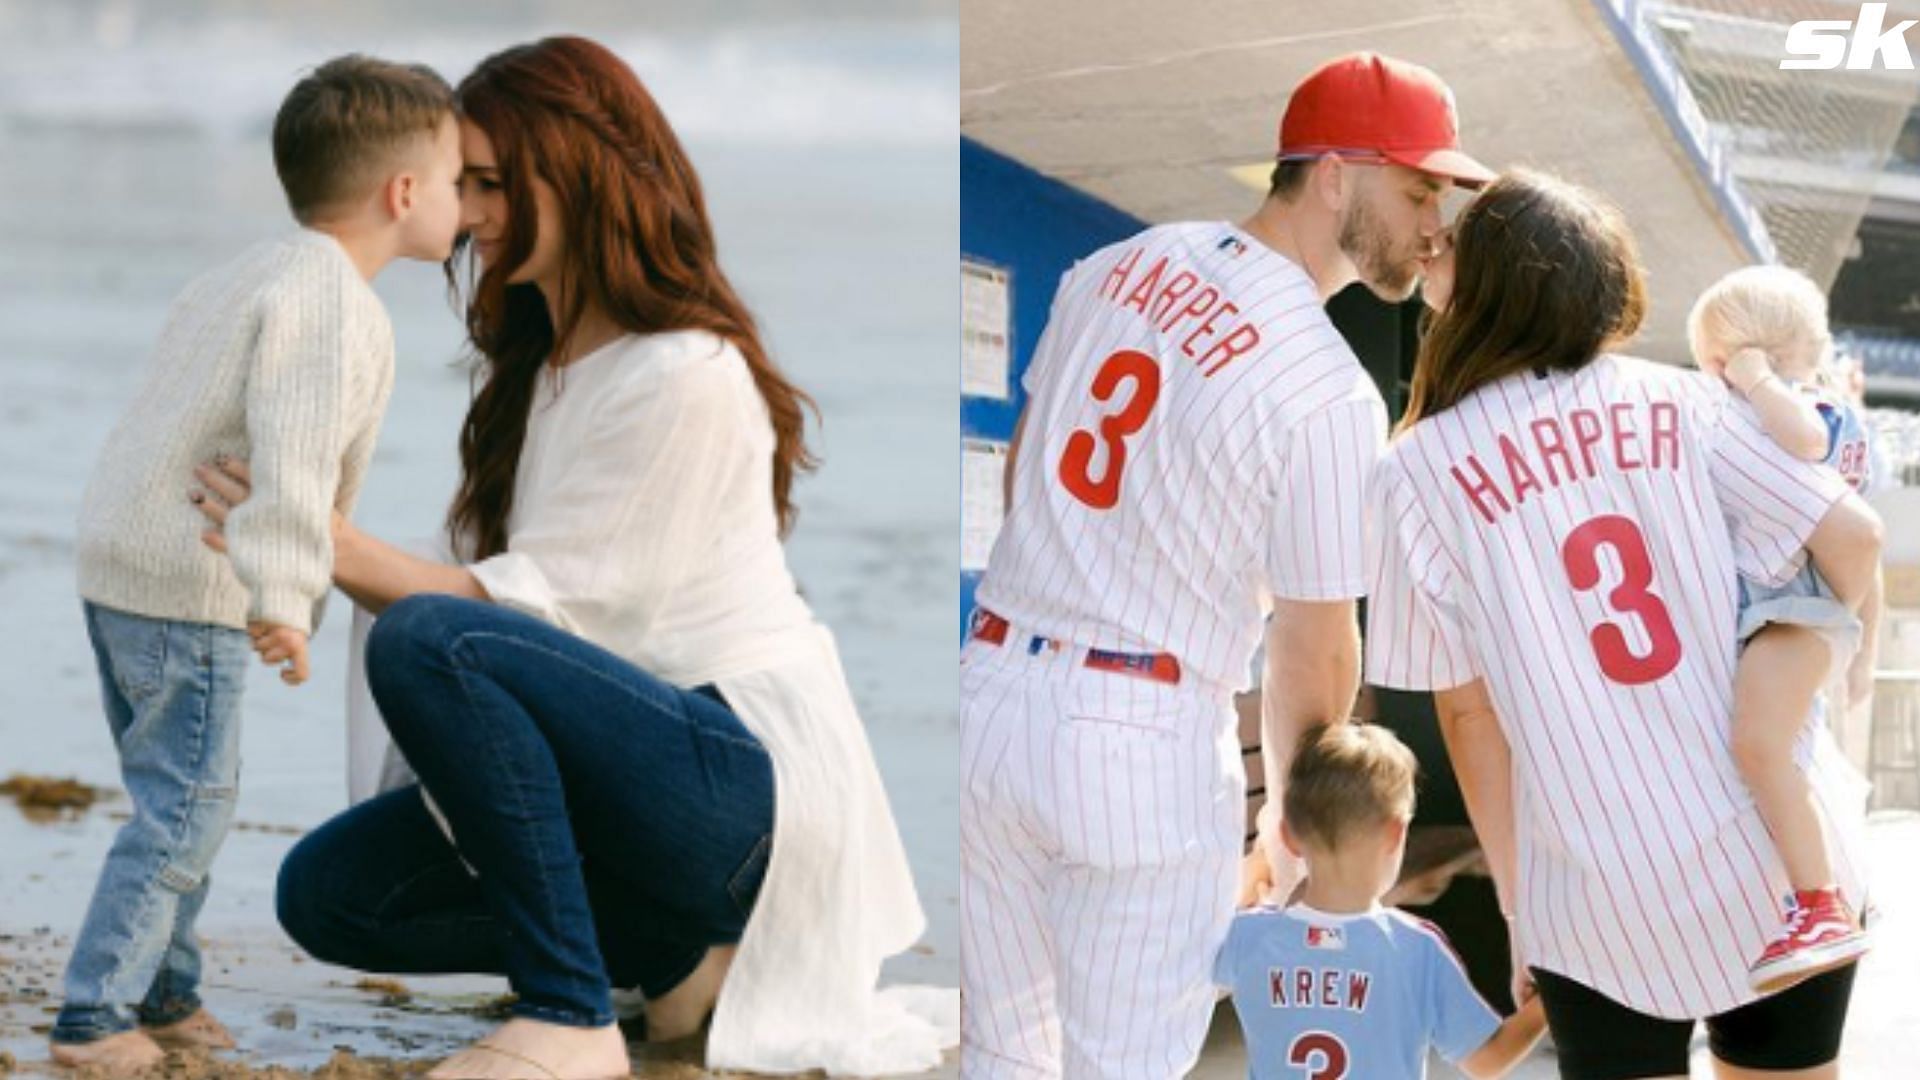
(1820,934)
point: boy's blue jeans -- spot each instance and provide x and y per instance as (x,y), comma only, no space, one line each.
(611,826)
(172,696)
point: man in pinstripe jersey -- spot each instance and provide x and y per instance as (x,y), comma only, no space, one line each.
(1192,458)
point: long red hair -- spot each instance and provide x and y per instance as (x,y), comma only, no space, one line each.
(638,245)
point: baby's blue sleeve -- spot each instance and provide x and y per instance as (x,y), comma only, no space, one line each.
(1462,1019)
(1836,417)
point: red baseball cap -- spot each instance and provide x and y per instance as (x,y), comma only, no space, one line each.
(1368,103)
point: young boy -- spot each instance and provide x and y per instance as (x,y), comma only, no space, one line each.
(1333,984)
(283,356)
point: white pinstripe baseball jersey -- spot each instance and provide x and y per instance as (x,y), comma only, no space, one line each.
(1573,539)
(1197,440)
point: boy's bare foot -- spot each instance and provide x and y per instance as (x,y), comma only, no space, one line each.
(524,1049)
(116,1055)
(680,1011)
(199,1030)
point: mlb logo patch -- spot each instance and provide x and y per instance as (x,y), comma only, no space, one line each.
(1232,246)
(1326,937)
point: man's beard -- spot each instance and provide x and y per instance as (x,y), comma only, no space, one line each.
(1365,241)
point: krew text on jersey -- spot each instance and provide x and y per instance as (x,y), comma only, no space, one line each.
(1318,988)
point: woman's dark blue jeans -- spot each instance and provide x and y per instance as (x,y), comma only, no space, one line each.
(616,826)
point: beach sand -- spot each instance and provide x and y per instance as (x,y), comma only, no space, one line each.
(290,1015)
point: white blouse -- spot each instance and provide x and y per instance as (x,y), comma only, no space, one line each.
(643,521)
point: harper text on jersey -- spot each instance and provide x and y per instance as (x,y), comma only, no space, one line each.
(1183,300)
(1560,449)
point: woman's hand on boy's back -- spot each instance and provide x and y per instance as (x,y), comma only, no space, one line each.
(372,573)
(225,483)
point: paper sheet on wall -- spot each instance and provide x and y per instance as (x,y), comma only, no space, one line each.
(985,353)
(983,463)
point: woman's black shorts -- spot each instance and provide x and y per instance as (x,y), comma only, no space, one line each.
(1597,1038)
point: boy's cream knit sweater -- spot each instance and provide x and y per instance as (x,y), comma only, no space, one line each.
(284,357)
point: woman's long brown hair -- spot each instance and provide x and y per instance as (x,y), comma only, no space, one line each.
(1546,276)
(638,245)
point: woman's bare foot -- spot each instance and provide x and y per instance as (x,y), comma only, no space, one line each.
(200,1030)
(115,1055)
(524,1049)
(680,1011)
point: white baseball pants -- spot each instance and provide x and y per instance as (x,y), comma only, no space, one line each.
(1101,819)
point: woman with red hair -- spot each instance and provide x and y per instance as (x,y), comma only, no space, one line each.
(637,760)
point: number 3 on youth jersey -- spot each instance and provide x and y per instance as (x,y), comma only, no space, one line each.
(1322,1055)
(1076,463)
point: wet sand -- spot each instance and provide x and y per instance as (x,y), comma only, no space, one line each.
(291,1016)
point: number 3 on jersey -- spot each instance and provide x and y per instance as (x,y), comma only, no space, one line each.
(1322,1055)
(1076,464)
(1633,596)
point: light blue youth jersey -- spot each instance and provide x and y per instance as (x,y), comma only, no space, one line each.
(1333,997)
